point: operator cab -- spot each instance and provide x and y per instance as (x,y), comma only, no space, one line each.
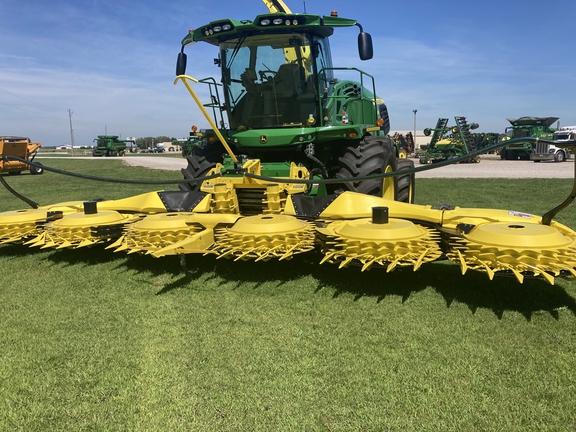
(277,70)
(272,80)
(519,132)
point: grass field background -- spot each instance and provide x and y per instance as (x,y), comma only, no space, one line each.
(92,340)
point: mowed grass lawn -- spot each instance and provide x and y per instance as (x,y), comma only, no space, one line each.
(93,340)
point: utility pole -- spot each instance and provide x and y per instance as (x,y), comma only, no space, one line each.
(71,131)
(414,111)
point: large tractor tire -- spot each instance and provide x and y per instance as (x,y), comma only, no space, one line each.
(197,167)
(213,152)
(200,162)
(372,156)
(405,183)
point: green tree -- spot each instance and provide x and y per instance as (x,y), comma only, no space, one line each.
(162,138)
(146,142)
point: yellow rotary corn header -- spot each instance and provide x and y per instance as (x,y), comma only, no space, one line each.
(280,221)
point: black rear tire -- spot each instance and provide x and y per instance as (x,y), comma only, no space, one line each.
(405,183)
(213,152)
(197,167)
(373,156)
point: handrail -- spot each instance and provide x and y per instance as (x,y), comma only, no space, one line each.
(185,79)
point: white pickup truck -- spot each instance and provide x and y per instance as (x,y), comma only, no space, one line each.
(549,152)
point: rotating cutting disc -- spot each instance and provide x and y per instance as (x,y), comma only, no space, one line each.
(81,229)
(264,237)
(396,243)
(17,226)
(519,248)
(155,232)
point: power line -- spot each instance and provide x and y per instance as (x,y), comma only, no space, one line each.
(82,121)
(27,110)
(88,121)
(31,101)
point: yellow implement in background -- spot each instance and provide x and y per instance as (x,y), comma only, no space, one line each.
(20,147)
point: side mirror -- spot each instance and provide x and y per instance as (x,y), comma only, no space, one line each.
(181,64)
(365,49)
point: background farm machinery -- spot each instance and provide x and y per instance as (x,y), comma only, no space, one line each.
(404,143)
(22,148)
(450,142)
(111,145)
(526,127)
(486,139)
(187,147)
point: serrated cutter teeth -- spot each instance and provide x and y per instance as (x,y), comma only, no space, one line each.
(520,249)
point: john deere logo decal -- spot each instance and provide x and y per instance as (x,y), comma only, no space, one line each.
(263,139)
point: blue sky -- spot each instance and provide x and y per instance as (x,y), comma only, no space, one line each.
(112,62)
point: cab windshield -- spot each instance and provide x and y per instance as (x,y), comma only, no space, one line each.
(271,80)
(561,136)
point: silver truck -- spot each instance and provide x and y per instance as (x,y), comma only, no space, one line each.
(549,152)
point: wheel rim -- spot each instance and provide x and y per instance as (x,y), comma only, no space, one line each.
(388,185)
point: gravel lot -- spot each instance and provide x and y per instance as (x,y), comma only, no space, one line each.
(490,167)
(493,167)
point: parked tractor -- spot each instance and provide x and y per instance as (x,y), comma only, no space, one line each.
(110,145)
(449,142)
(20,147)
(535,127)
